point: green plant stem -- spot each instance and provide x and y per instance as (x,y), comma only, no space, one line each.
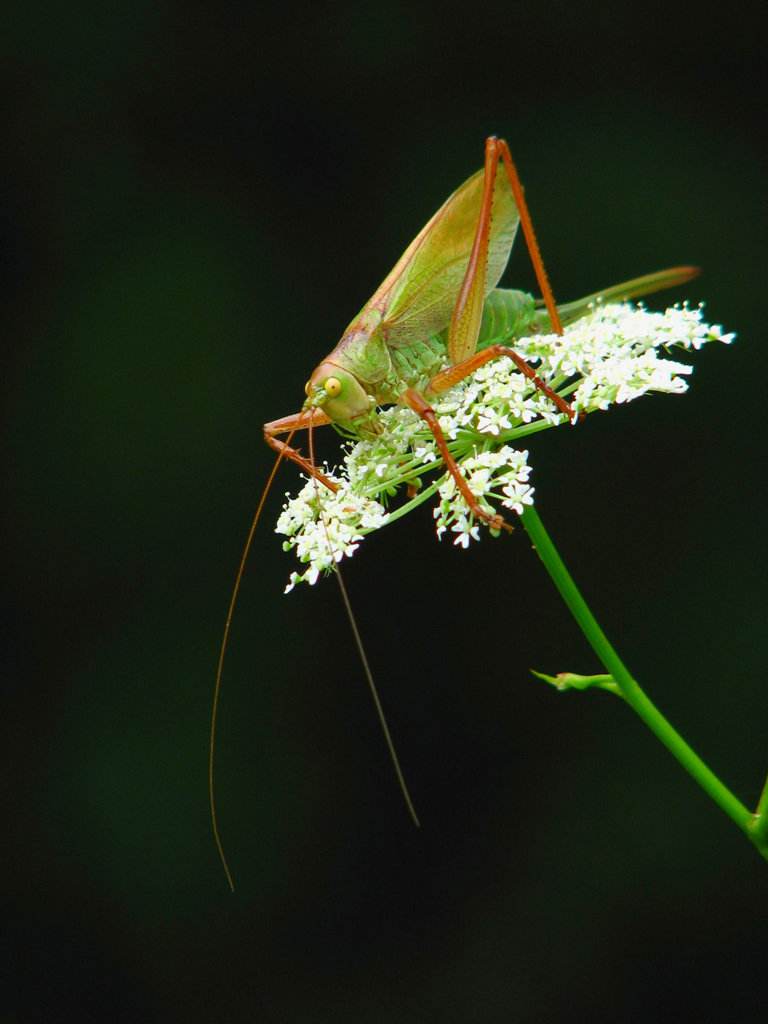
(759,823)
(753,825)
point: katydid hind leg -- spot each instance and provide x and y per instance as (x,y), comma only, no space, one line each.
(530,235)
(467,315)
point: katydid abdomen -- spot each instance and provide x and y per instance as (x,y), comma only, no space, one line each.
(507,314)
(510,314)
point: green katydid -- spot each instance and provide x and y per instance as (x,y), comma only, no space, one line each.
(436,318)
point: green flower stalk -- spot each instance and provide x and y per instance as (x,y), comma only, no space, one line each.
(624,685)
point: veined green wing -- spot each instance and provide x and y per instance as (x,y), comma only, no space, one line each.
(417,297)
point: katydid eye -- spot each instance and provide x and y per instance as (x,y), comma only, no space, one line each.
(332,386)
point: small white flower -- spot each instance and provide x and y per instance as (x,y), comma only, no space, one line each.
(466,531)
(449,426)
(425,453)
(492,421)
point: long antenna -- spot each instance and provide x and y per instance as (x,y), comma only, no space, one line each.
(364,657)
(377,701)
(220,665)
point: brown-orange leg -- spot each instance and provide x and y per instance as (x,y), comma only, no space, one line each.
(299,421)
(420,405)
(468,311)
(530,235)
(453,374)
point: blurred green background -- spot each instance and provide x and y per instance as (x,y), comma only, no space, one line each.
(195,201)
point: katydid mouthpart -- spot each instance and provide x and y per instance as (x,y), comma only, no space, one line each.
(435,319)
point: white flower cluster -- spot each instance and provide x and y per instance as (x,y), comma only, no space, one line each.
(614,354)
(324,527)
(501,474)
(617,351)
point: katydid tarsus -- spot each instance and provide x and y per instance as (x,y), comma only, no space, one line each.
(436,318)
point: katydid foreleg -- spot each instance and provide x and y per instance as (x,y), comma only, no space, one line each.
(298,421)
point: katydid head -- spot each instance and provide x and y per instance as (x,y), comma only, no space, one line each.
(339,394)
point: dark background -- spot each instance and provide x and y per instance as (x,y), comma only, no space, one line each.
(195,201)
